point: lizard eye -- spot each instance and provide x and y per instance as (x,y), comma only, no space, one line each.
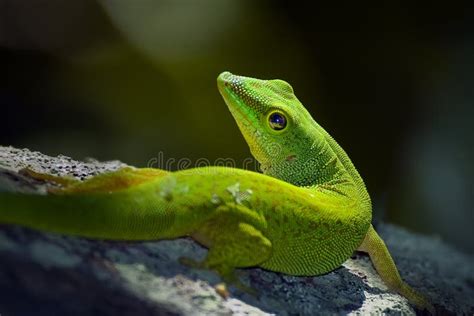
(277,121)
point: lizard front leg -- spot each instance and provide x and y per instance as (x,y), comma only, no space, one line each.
(233,242)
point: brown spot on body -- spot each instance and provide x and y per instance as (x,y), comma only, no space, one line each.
(291,158)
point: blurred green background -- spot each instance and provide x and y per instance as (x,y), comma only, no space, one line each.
(130,79)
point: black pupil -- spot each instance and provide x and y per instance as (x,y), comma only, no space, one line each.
(277,121)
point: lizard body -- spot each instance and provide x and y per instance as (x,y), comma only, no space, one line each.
(305,215)
(203,203)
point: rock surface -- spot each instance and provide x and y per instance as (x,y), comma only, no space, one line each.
(46,274)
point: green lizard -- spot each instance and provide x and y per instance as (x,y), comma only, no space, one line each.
(305,215)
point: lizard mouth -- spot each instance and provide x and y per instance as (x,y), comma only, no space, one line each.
(230,85)
(232,90)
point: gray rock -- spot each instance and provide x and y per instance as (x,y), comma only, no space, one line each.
(45,274)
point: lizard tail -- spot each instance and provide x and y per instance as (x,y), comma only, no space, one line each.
(385,266)
(117,216)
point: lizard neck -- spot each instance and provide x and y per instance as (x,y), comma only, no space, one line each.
(348,168)
(324,166)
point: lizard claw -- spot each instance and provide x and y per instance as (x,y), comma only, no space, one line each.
(227,276)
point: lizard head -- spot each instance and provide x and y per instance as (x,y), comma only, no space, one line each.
(278,129)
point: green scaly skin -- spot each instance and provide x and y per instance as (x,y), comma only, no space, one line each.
(305,215)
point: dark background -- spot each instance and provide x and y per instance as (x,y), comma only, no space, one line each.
(130,79)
